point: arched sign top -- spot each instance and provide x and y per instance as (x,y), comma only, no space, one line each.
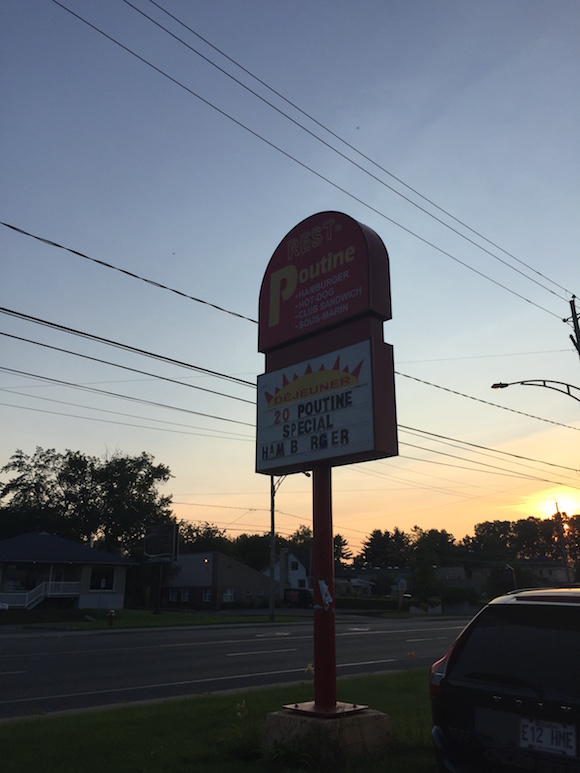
(326,271)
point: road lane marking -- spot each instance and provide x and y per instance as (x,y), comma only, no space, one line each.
(259,652)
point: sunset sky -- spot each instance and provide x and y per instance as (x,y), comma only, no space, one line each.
(183,156)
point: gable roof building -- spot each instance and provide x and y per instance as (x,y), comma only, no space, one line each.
(39,566)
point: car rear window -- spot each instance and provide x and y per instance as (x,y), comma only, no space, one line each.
(528,646)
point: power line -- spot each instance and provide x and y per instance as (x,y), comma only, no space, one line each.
(443,438)
(125,347)
(347,144)
(111,421)
(486,402)
(131,274)
(197,368)
(126,367)
(301,163)
(493,468)
(105,392)
(202,431)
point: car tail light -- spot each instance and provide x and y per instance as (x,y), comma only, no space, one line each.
(437,674)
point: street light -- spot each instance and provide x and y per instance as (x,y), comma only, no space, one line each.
(557,386)
(274,486)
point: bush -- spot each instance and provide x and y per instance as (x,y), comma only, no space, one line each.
(453,596)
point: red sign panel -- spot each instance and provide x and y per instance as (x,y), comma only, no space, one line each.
(328,270)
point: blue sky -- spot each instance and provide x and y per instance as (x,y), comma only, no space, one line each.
(474,106)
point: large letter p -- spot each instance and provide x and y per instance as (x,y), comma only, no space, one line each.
(282,285)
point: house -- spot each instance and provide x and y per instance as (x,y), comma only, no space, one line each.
(39,566)
(347,582)
(212,579)
(292,569)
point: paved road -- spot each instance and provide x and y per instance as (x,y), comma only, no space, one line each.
(48,672)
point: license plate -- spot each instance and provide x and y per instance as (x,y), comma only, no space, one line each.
(549,737)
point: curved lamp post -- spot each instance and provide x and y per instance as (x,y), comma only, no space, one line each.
(557,386)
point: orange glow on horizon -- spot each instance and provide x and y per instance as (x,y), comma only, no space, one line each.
(545,505)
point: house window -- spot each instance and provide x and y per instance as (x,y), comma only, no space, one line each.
(102,577)
(293,566)
(248,591)
(228,594)
(301,583)
(173,595)
(206,595)
(261,592)
(184,595)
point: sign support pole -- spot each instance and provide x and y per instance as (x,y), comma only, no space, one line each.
(323,575)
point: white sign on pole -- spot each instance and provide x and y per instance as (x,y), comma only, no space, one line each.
(316,411)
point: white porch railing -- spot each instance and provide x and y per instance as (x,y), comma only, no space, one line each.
(28,599)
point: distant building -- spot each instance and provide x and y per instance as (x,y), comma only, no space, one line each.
(212,580)
(550,572)
(292,569)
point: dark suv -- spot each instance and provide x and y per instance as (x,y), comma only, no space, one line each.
(507,694)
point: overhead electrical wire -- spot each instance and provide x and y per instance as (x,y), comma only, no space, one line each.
(485,402)
(494,468)
(217,374)
(124,347)
(201,431)
(108,421)
(131,274)
(479,448)
(301,163)
(126,367)
(105,392)
(347,144)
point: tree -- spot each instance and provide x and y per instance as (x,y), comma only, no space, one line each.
(342,552)
(534,539)
(433,547)
(383,550)
(34,500)
(203,538)
(130,500)
(301,538)
(76,496)
(492,540)
(254,550)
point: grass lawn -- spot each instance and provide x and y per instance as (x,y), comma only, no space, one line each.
(215,733)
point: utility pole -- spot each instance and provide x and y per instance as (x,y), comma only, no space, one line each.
(562,541)
(575,340)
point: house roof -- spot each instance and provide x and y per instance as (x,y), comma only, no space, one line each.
(46,548)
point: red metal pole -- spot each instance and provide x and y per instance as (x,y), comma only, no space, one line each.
(323,577)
